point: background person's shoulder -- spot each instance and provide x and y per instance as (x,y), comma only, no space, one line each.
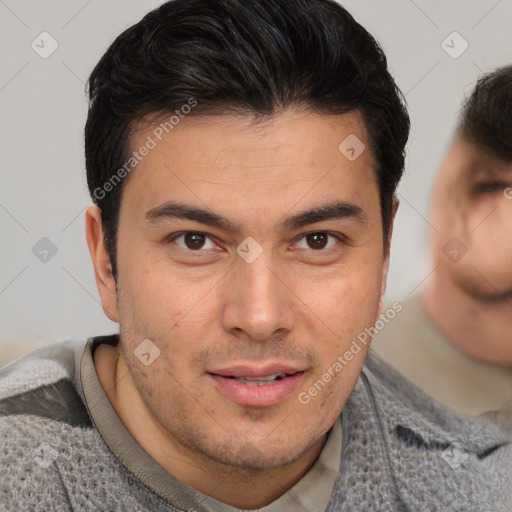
(438,456)
(392,388)
(11,349)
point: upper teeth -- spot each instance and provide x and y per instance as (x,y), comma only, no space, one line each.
(259,381)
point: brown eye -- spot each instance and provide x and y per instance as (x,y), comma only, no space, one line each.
(317,240)
(192,241)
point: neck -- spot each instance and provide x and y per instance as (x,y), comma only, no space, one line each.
(480,329)
(242,488)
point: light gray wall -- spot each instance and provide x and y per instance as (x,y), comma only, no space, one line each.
(43,189)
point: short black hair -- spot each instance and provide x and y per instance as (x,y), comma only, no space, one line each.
(486,117)
(255,57)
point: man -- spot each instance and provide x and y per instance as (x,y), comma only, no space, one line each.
(454,339)
(243,158)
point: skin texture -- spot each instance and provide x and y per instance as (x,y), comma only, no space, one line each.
(471,299)
(295,303)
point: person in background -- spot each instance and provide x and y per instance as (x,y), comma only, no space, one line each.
(454,339)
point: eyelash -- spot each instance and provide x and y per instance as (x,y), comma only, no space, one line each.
(342,239)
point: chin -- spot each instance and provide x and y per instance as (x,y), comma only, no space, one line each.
(264,456)
(259,449)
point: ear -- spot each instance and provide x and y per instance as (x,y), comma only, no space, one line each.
(101,262)
(385,264)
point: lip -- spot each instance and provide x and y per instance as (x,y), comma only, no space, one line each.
(265,395)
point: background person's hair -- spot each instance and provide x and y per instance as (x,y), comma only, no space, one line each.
(486,117)
(256,58)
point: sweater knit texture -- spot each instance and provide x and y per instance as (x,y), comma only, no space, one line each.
(401,451)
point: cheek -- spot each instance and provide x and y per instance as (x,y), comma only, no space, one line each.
(347,304)
(353,283)
(159,292)
(485,229)
(490,245)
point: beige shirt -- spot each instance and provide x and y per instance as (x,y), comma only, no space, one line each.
(414,345)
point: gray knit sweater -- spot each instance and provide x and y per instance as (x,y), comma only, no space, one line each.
(400,451)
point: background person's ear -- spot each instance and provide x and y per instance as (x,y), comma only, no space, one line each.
(101,263)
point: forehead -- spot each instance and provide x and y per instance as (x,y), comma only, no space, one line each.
(232,161)
(470,161)
(302,132)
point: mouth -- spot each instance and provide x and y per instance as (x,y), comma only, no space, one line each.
(492,298)
(261,381)
(490,294)
(257,388)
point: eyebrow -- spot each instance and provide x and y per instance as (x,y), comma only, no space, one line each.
(477,170)
(329,211)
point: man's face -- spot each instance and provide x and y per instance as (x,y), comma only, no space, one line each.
(219,304)
(472,201)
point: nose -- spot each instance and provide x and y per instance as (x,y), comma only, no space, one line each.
(259,303)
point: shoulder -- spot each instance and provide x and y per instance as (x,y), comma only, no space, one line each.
(405,402)
(42,416)
(43,383)
(434,453)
